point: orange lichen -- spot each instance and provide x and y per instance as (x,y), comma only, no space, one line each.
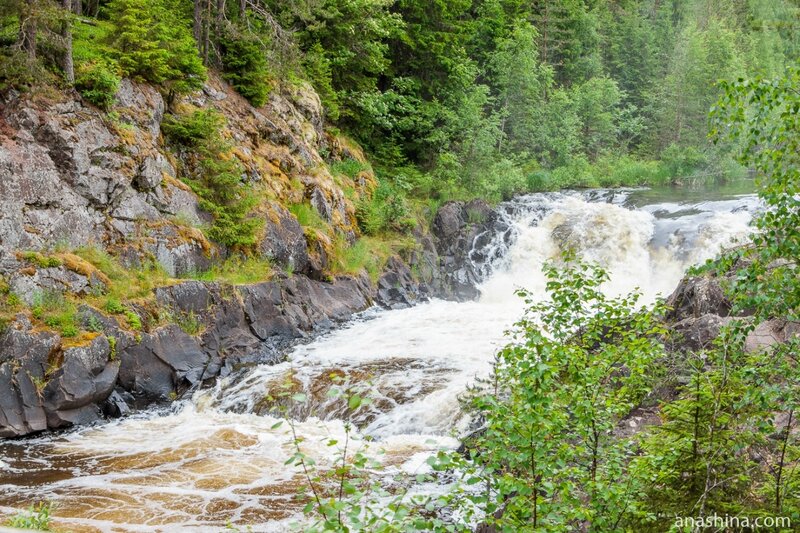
(84,339)
(83,267)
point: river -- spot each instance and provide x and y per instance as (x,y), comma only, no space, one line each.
(218,457)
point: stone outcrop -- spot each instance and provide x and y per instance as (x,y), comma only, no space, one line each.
(458,228)
(48,384)
(72,176)
(45,383)
(699,308)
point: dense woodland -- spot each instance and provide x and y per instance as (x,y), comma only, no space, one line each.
(451,98)
(456,98)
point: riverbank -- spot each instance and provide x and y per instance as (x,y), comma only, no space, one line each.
(219,453)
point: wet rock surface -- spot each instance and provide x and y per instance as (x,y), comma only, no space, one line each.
(72,177)
(457,229)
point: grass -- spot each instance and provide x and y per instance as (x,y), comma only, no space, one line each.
(368,254)
(238,270)
(56,312)
(40,260)
(349,167)
(308,217)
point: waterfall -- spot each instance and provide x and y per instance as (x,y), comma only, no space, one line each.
(220,456)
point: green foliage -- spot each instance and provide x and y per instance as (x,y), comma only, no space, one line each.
(368,254)
(308,217)
(193,130)
(385,210)
(695,457)
(98,83)
(114,306)
(19,72)
(349,167)
(764,115)
(578,364)
(152,42)
(244,66)
(238,270)
(228,200)
(41,260)
(217,178)
(189,322)
(57,312)
(317,68)
(37,517)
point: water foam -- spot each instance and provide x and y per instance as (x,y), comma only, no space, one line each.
(215,459)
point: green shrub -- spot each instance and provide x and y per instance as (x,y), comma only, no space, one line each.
(154,43)
(98,83)
(578,173)
(682,161)
(114,306)
(112,344)
(348,167)
(56,312)
(244,66)
(386,210)
(189,322)
(217,178)
(133,320)
(19,72)
(318,69)
(228,200)
(195,129)
(502,180)
(37,517)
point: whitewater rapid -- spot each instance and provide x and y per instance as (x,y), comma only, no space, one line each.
(219,457)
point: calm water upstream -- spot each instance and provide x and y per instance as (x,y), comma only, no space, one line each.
(216,458)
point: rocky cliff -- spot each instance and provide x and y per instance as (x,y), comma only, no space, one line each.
(73,178)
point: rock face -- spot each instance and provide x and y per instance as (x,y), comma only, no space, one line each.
(44,384)
(72,176)
(698,296)
(699,309)
(457,227)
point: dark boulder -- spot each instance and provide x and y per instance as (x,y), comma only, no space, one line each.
(284,241)
(697,296)
(24,360)
(162,364)
(457,227)
(697,333)
(46,386)
(397,288)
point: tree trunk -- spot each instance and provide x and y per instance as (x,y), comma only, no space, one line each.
(77,7)
(26,39)
(198,23)
(66,34)
(242,9)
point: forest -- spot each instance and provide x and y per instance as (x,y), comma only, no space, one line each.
(451,98)
(459,103)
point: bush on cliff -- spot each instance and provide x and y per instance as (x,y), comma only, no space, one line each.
(98,83)
(216,177)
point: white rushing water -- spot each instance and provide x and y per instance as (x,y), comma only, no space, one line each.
(219,457)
